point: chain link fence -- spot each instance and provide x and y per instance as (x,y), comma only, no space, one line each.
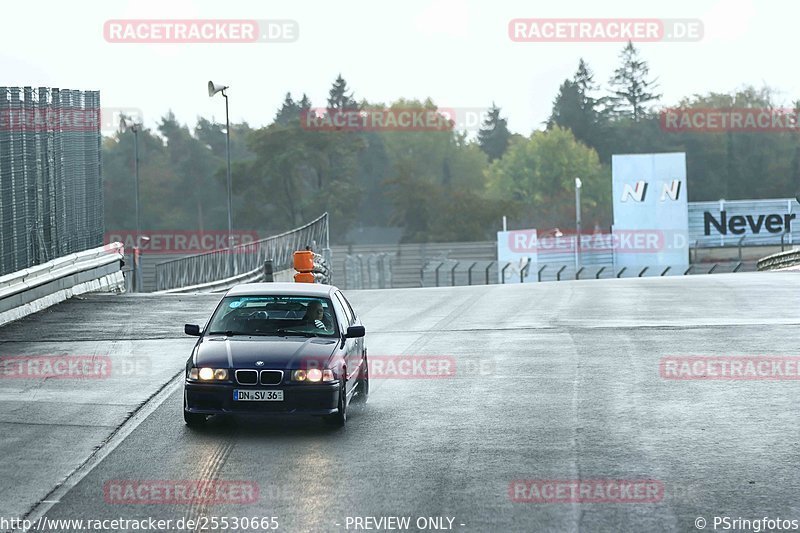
(371,271)
(51,189)
(245,258)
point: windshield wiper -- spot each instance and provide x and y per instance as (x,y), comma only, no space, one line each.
(295,332)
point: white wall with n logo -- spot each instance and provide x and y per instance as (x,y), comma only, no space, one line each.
(651,214)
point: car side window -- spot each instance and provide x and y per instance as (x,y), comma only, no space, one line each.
(341,317)
(347,304)
(347,310)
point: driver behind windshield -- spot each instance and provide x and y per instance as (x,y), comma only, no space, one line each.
(315,315)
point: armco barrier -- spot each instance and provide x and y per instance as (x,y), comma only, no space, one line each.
(223,285)
(35,288)
(780,260)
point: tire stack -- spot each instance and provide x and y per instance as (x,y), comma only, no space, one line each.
(310,267)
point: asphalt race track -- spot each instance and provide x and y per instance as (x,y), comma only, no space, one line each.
(552,381)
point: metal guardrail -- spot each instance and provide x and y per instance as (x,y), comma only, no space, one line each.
(32,289)
(745,241)
(243,260)
(780,260)
(373,271)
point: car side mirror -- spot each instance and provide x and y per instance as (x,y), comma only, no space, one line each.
(354,332)
(192,329)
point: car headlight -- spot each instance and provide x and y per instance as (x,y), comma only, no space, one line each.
(313,375)
(208,374)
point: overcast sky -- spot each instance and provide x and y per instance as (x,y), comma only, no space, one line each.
(457,52)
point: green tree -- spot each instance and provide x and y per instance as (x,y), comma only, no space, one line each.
(493,135)
(155,182)
(338,97)
(289,111)
(298,174)
(736,164)
(576,108)
(196,191)
(539,175)
(632,88)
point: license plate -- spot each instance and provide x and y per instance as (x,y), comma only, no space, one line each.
(257,395)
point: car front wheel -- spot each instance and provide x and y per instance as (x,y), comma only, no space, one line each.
(362,389)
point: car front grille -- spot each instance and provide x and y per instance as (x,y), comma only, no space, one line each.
(271,377)
(247,377)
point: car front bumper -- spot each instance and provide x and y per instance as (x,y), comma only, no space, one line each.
(217,399)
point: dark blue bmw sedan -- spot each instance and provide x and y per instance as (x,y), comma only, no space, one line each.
(272,348)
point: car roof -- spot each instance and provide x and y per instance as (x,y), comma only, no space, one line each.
(281,289)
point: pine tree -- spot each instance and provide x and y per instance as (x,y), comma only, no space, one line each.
(289,111)
(493,137)
(577,109)
(338,97)
(632,89)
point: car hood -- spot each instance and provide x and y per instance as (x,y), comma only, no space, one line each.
(277,353)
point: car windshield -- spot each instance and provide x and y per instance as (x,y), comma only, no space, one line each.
(274,316)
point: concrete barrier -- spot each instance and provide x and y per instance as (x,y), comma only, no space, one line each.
(33,289)
(788,260)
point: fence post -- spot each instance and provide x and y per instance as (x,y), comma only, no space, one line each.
(524,271)
(487,272)
(469,273)
(268,274)
(621,271)
(453,275)
(558,274)
(539,274)
(437,273)
(597,276)
(503,273)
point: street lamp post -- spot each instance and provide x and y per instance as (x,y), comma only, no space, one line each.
(127,124)
(578,185)
(213,89)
